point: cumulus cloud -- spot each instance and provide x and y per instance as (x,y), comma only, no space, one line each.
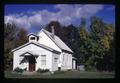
(88,10)
(66,15)
(23,21)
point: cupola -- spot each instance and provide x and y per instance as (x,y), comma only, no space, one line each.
(33,37)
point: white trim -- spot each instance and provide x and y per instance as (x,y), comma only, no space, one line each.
(40,45)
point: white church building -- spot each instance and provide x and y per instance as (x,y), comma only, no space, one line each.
(44,50)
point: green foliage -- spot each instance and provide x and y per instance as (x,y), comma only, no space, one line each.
(42,70)
(84,42)
(19,70)
(100,46)
(105,43)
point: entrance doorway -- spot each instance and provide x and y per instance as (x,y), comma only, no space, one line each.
(32,62)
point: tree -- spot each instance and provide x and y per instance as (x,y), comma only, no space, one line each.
(100,35)
(84,41)
(10,31)
(73,39)
(57,27)
(22,37)
(13,37)
(107,44)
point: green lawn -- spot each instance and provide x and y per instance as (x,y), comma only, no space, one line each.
(66,74)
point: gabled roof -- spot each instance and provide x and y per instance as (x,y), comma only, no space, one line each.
(28,54)
(33,35)
(57,41)
(37,44)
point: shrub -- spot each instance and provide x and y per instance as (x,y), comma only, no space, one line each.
(90,68)
(18,70)
(42,70)
(25,69)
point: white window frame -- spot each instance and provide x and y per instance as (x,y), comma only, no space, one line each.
(43,61)
(55,59)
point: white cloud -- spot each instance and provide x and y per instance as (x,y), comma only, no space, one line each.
(23,21)
(35,19)
(66,15)
(8,19)
(88,10)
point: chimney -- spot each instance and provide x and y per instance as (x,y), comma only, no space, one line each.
(52,31)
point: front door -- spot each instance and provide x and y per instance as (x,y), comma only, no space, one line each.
(31,63)
(31,67)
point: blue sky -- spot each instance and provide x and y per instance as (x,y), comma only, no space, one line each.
(32,16)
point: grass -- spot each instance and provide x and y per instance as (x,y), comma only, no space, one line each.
(66,74)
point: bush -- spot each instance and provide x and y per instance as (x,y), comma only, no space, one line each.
(42,70)
(25,69)
(18,70)
(90,68)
